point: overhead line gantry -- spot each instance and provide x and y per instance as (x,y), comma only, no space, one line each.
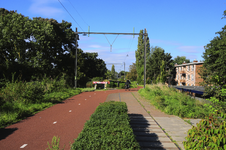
(85,33)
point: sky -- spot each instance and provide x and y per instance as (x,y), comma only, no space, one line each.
(180,27)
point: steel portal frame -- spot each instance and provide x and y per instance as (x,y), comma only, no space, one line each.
(85,33)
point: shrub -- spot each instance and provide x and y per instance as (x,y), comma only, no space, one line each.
(108,128)
(209,134)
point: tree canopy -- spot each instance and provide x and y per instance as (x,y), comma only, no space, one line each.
(38,46)
(180,60)
(140,57)
(157,64)
(213,71)
(132,74)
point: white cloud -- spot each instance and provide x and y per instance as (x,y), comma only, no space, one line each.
(45,8)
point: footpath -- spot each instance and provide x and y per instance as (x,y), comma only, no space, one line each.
(153,128)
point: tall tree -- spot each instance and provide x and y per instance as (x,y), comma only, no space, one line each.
(38,46)
(180,59)
(157,59)
(213,71)
(113,72)
(140,57)
(132,74)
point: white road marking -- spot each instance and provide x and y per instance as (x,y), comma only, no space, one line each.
(55,122)
(23,146)
(69,110)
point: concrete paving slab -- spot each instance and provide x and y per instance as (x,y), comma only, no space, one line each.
(161,139)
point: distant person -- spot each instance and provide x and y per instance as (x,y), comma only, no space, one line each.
(127,84)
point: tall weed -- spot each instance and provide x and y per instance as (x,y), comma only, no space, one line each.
(173,102)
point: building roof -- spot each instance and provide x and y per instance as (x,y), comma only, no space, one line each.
(193,63)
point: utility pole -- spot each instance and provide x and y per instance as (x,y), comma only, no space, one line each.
(76,44)
(124,71)
(145,36)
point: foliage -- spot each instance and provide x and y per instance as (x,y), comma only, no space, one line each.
(140,57)
(180,60)
(108,74)
(214,66)
(38,46)
(170,101)
(157,64)
(54,144)
(209,134)
(21,99)
(108,128)
(132,74)
(113,72)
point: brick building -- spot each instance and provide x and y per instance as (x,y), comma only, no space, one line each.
(187,74)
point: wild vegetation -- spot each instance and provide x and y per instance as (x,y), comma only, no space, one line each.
(170,101)
(19,100)
(210,133)
(108,128)
(38,46)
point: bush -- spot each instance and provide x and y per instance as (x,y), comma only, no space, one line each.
(209,134)
(108,128)
(97,79)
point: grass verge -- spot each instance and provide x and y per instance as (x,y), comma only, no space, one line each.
(172,102)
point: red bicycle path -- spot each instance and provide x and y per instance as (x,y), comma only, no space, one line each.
(65,120)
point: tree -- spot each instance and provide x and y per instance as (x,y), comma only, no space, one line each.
(213,71)
(108,74)
(132,74)
(157,59)
(37,47)
(113,72)
(180,60)
(140,57)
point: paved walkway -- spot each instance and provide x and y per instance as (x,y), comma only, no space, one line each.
(150,125)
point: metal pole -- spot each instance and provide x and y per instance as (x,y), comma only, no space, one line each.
(124,70)
(76,57)
(145,56)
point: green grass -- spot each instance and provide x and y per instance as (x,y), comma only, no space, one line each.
(19,100)
(172,102)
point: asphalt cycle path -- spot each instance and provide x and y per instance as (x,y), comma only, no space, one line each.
(65,120)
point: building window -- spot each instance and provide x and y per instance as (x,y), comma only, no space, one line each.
(188,84)
(180,84)
(192,77)
(192,68)
(191,84)
(188,76)
(188,68)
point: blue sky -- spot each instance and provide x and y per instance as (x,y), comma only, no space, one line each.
(180,27)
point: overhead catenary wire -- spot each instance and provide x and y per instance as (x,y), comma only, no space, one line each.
(78,13)
(71,16)
(110,43)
